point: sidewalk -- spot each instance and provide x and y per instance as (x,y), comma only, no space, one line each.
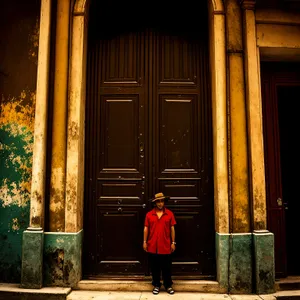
(14,292)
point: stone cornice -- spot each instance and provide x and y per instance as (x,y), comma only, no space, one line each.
(248,4)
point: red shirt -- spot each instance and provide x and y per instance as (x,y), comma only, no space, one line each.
(159,235)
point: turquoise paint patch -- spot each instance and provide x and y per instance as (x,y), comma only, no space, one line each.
(15,156)
(15,176)
(11,242)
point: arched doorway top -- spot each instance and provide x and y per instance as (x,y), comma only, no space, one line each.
(218,5)
(80,6)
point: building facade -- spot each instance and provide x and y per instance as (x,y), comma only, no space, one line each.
(103,106)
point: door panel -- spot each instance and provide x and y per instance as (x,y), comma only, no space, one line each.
(117,239)
(121,107)
(182,149)
(276,217)
(289,128)
(148,130)
(115,132)
(279,134)
(119,152)
(177,150)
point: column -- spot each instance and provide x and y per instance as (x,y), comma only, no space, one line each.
(59,134)
(33,237)
(240,264)
(262,239)
(76,109)
(219,118)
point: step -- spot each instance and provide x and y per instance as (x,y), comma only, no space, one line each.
(200,286)
(287,284)
(286,295)
(14,292)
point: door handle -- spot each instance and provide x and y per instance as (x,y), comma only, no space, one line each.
(279,202)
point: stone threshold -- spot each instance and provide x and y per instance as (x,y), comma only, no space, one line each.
(203,288)
(200,286)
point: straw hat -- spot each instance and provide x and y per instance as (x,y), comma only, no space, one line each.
(160,196)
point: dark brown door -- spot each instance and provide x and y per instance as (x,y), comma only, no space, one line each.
(148,129)
(280,96)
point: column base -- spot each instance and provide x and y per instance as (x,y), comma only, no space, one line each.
(222,258)
(264,262)
(240,263)
(32,259)
(62,253)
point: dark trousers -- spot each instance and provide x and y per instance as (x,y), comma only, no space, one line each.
(161,264)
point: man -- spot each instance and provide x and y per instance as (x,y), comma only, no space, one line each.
(159,242)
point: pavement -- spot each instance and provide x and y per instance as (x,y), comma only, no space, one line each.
(14,292)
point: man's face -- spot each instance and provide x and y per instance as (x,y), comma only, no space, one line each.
(160,204)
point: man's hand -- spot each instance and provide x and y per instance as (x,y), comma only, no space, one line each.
(173,247)
(145,246)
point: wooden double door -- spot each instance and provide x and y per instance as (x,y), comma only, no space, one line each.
(280,98)
(148,129)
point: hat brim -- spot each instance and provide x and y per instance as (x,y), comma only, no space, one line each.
(166,198)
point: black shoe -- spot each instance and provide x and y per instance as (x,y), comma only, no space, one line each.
(155,290)
(170,290)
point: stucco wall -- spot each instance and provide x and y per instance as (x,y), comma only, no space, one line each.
(19,21)
(278,34)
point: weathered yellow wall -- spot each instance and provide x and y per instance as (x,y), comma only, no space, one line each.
(278,34)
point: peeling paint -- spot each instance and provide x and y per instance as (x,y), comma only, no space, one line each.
(74,131)
(15,225)
(16,145)
(34,42)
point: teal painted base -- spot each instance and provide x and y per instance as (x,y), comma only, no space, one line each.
(62,258)
(222,259)
(14,221)
(264,262)
(240,263)
(32,259)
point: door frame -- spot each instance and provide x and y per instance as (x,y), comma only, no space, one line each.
(152,95)
(277,74)
(76,118)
